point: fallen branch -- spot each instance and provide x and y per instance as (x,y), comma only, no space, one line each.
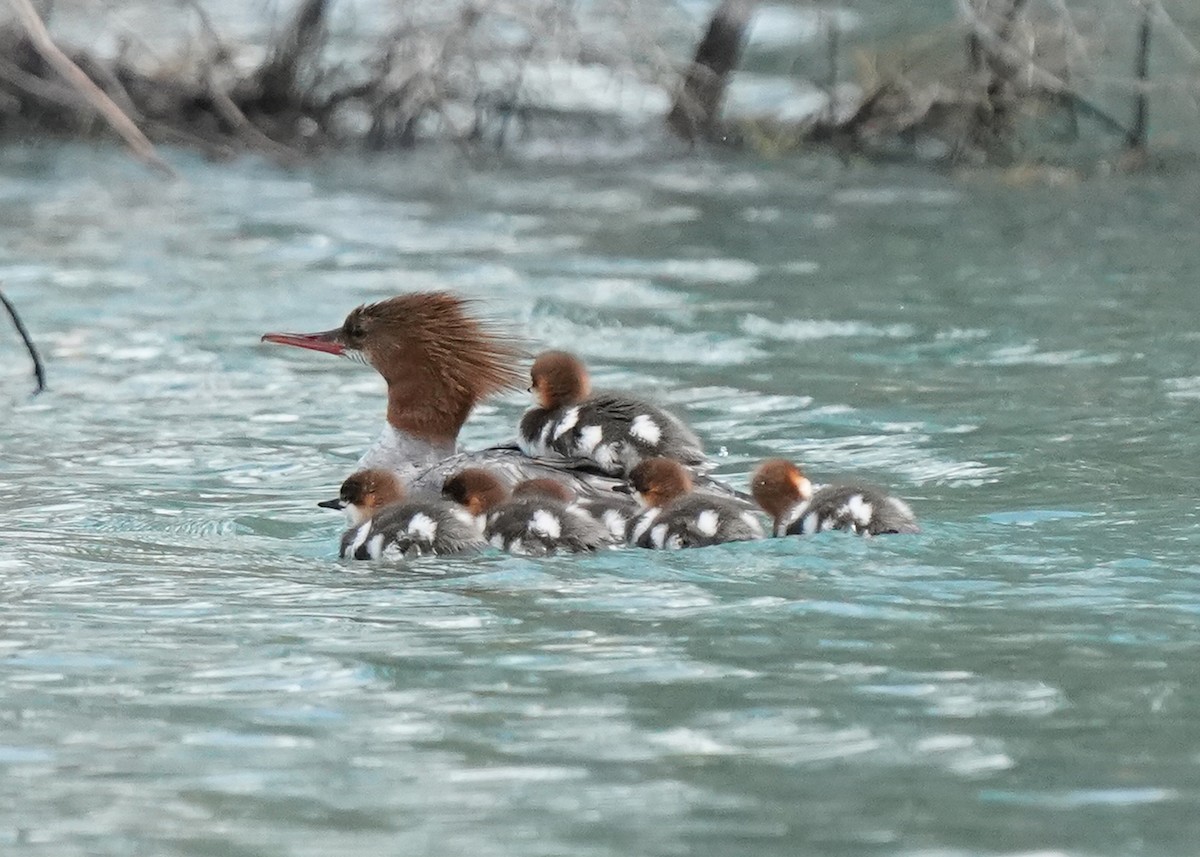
(39,371)
(40,37)
(1039,79)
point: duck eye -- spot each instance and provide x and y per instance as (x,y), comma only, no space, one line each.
(353,329)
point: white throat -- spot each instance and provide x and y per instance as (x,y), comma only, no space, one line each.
(403,454)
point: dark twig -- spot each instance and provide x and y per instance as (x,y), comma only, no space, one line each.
(698,104)
(39,371)
(1141,70)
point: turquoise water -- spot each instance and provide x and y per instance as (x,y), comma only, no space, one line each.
(188,670)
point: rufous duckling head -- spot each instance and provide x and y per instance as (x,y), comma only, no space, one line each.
(559,378)
(438,360)
(777,485)
(544,487)
(655,482)
(364,493)
(476,489)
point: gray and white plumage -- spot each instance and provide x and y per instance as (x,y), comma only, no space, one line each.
(413,528)
(539,526)
(855,508)
(614,511)
(694,520)
(611,430)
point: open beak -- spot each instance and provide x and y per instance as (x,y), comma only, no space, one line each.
(332,504)
(329,341)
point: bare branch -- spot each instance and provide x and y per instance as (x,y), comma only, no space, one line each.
(39,371)
(97,97)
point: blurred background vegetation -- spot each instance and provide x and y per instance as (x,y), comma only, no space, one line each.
(1076,83)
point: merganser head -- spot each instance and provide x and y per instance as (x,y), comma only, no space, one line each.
(364,493)
(559,378)
(544,487)
(476,489)
(436,358)
(777,485)
(657,481)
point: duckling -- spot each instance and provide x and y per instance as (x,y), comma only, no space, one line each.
(535,521)
(613,511)
(610,431)
(383,522)
(678,517)
(787,495)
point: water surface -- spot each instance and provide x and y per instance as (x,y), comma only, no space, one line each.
(189,670)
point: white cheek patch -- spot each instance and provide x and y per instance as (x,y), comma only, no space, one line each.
(422,526)
(645,429)
(708,521)
(545,524)
(568,421)
(354,515)
(804,488)
(589,439)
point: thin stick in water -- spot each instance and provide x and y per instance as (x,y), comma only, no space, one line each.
(39,371)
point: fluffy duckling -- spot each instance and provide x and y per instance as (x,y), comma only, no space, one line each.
(611,431)
(383,522)
(678,517)
(535,521)
(787,495)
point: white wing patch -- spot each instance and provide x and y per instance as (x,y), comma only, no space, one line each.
(375,546)
(860,509)
(545,524)
(708,521)
(359,538)
(589,439)
(658,536)
(642,524)
(568,421)
(645,429)
(808,524)
(422,526)
(615,522)
(605,455)
(752,522)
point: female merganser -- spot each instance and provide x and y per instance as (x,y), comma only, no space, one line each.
(438,362)
(535,521)
(611,430)
(678,517)
(786,494)
(383,522)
